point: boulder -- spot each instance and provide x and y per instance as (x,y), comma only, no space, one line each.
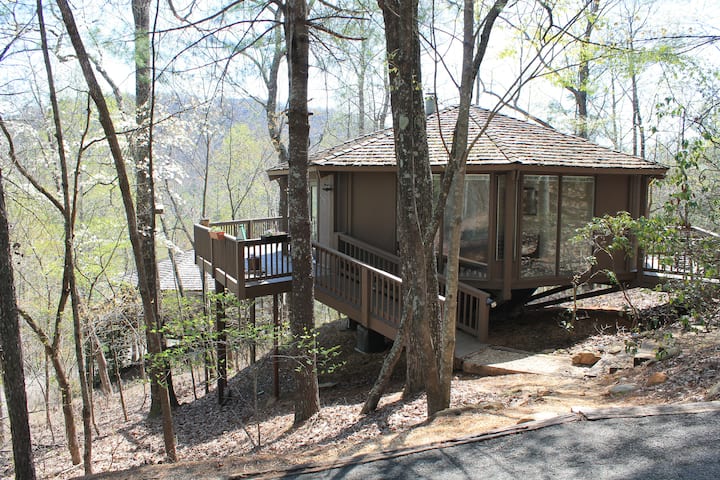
(657,378)
(585,358)
(622,389)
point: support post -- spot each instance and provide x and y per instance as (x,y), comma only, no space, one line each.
(253,343)
(365,296)
(276,349)
(220,324)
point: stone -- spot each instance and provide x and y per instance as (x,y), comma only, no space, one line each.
(641,358)
(585,358)
(622,389)
(657,378)
(713,392)
(615,349)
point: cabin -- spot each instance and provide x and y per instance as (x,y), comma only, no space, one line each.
(528,187)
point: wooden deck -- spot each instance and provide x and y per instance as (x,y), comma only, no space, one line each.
(371,296)
(359,280)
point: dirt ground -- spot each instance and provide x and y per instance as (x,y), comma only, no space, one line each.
(241,437)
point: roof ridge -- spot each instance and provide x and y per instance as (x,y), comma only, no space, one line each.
(488,124)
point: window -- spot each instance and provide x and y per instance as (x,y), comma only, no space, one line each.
(500,242)
(578,199)
(474,227)
(553,207)
(538,243)
(314,210)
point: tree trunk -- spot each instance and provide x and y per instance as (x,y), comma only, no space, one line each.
(11,358)
(149,310)
(472,60)
(101,361)
(307,399)
(69,281)
(414,193)
(145,188)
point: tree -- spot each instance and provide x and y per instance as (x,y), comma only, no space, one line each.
(154,343)
(475,44)
(420,307)
(11,358)
(307,400)
(69,280)
(145,192)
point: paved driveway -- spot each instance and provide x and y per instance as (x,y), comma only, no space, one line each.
(677,446)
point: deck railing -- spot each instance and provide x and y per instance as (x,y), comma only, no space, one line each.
(248,229)
(473,304)
(366,253)
(364,292)
(693,254)
(250,261)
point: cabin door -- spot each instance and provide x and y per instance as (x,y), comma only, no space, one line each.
(326,210)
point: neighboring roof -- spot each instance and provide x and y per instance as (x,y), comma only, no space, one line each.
(506,141)
(188,272)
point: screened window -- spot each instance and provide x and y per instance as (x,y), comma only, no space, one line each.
(539,210)
(552,208)
(578,199)
(474,227)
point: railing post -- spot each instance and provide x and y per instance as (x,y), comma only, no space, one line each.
(483,312)
(365,292)
(240,267)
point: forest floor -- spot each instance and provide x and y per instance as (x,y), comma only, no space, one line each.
(239,439)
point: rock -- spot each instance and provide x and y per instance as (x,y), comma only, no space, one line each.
(657,378)
(609,364)
(713,392)
(622,389)
(585,358)
(496,406)
(664,353)
(641,358)
(615,349)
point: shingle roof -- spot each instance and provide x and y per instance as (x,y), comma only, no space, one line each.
(506,141)
(188,272)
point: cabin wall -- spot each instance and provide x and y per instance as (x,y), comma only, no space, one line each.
(365,208)
(614,194)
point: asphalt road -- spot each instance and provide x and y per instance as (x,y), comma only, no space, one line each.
(679,446)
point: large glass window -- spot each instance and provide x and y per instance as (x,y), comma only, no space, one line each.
(553,206)
(314,210)
(539,209)
(578,198)
(500,242)
(474,228)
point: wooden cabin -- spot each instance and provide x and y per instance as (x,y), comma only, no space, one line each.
(528,188)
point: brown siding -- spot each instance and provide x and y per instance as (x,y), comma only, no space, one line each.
(612,195)
(372,209)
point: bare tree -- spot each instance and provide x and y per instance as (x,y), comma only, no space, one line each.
(307,400)
(149,310)
(11,358)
